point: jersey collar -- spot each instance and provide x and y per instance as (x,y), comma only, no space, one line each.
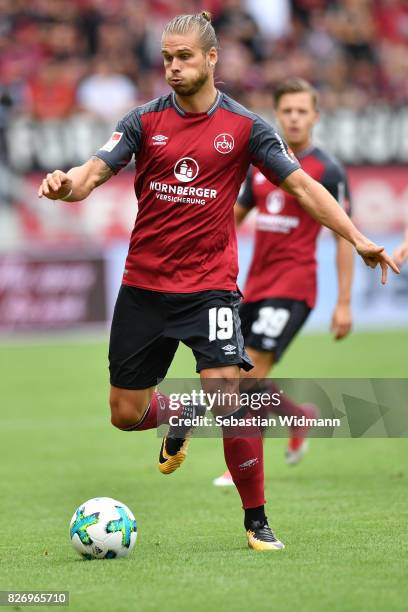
(183,113)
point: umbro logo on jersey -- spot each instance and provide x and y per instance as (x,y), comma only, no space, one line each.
(224,143)
(229,349)
(160,139)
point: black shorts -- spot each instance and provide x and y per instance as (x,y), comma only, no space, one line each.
(148,325)
(270,325)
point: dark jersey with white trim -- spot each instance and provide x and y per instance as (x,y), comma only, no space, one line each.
(189,169)
(284,259)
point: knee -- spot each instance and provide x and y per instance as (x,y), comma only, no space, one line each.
(124,413)
(123,421)
(121,416)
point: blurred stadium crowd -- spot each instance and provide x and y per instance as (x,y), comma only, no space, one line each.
(70,68)
(102,57)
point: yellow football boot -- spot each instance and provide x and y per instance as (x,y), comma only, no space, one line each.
(261,537)
(172,454)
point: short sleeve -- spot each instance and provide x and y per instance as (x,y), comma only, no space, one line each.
(270,153)
(124,142)
(246,194)
(335,181)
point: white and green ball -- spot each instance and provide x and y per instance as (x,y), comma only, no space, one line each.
(103,528)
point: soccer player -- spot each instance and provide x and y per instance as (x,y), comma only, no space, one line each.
(193,148)
(280,289)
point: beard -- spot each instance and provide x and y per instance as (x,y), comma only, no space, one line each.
(191,88)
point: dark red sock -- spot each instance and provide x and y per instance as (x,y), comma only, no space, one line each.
(244,459)
(158,413)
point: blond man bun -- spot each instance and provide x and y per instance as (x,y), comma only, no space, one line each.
(200,22)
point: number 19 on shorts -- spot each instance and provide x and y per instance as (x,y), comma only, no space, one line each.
(221,323)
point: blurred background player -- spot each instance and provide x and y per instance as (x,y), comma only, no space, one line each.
(170,291)
(281,285)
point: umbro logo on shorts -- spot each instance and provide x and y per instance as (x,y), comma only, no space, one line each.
(229,349)
(268,343)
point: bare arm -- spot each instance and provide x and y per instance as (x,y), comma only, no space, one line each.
(321,205)
(240,212)
(342,317)
(77,183)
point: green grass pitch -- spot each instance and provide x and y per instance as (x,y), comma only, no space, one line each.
(342,513)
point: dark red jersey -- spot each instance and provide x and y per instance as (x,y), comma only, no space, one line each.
(189,169)
(284,259)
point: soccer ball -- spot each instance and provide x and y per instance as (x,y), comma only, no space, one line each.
(103,528)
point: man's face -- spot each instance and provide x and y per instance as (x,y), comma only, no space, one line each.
(187,66)
(297,116)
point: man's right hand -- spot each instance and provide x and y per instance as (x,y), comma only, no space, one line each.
(372,254)
(55,186)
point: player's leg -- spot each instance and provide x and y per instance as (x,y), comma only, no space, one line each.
(271,326)
(139,357)
(138,410)
(297,441)
(130,408)
(188,320)
(268,327)
(217,343)
(243,451)
(213,331)
(262,363)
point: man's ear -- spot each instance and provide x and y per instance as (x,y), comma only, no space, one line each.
(212,57)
